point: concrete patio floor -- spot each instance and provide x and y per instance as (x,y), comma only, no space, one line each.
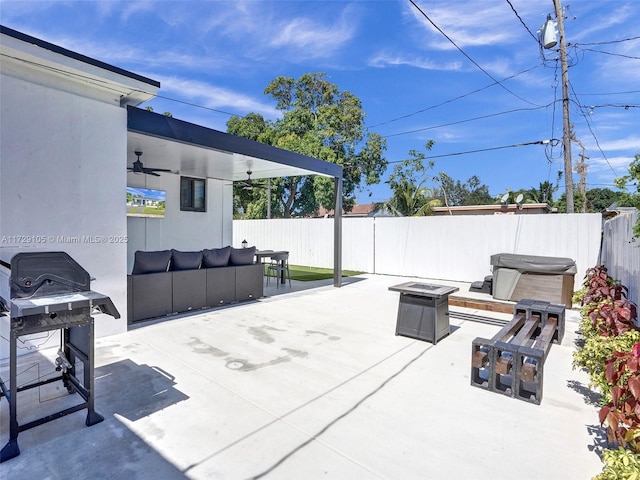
(305,384)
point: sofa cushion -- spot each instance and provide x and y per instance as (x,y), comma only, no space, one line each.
(151,262)
(185,260)
(242,256)
(216,257)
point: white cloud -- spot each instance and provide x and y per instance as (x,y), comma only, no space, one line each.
(384,59)
(631,142)
(313,38)
(263,30)
(214,97)
(133,8)
(467,23)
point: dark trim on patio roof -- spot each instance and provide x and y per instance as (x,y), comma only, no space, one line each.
(74,55)
(149,123)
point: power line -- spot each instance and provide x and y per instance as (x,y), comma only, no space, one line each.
(626,106)
(482,117)
(538,142)
(586,119)
(522,22)
(548,151)
(468,57)
(612,93)
(454,99)
(611,53)
(609,42)
(195,105)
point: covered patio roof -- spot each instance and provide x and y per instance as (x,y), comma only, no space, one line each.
(193,150)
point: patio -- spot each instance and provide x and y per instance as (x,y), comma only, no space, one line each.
(306,383)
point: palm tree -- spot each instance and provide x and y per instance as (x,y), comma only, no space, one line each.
(413,200)
(411,197)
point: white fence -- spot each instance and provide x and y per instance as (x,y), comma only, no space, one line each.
(621,254)
(456,248)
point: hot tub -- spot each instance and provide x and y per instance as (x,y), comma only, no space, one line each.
(516,277)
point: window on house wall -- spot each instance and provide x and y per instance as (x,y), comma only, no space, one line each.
(192,194)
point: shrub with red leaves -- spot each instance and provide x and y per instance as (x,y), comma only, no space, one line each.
(622,414)
(610,311)
(600,286)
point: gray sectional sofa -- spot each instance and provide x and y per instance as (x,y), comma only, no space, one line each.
(170,281)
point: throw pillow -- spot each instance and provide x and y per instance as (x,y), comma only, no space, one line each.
(242,256)
(151,262)
(185,260)
(216,257)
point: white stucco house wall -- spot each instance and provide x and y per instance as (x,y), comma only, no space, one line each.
(63,155)
(69,130)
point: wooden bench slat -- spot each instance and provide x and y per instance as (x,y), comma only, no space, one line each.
(542,344)
(543,341)
(503,365)
(525,332)
(480,359)
(510,329)
(528,372)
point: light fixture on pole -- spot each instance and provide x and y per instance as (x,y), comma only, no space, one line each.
(244,244)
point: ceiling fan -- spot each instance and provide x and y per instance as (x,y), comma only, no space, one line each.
(138,167)
(248,183)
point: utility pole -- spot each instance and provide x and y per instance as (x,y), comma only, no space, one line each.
(566,137)
(581,169)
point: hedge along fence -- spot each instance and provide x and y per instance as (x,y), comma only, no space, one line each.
(610,354)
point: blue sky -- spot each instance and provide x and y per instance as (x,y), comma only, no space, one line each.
(214,59)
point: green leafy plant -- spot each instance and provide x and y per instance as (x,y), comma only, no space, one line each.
(592,356)
(610,353)
(620,464)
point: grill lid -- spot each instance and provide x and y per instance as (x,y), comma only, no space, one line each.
(46,274)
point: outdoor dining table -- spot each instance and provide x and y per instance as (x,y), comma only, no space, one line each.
(261,255)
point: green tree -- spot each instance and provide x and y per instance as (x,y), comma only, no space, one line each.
(411,197)
(598,199)
(545,191)
(471,192)
(632,181)
(322,122)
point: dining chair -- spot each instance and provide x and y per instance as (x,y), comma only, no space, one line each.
(278,266)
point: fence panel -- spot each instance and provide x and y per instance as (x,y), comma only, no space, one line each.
(438,247)
(621,253)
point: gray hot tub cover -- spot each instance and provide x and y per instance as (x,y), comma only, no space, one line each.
(532,263)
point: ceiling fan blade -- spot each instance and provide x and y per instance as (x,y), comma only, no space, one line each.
(138,167)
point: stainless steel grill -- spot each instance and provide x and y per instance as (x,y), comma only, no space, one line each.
(40,292)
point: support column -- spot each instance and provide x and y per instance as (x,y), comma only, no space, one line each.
(337,232)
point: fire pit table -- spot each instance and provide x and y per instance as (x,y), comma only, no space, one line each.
(423,311)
